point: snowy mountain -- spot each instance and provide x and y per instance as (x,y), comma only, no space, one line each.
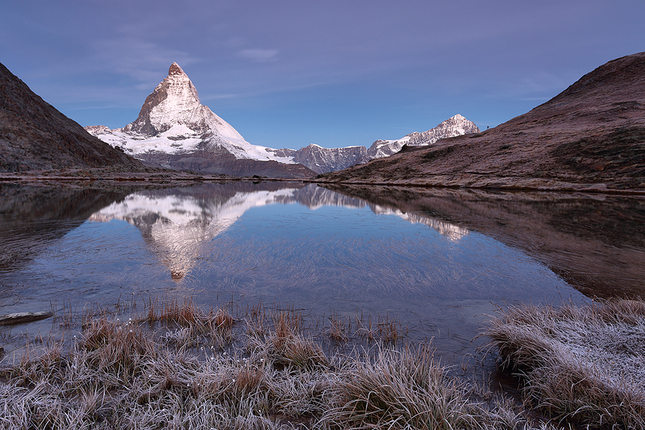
(175,130)
(173,121)
(453,126)
(324,160)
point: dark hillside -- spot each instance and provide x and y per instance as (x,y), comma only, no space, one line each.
(589,137)
(36,136)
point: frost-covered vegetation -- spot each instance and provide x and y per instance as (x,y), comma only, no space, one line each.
(581,364)
(174,366)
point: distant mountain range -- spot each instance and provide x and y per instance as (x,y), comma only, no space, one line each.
(324,160)
(175,130)
(590,137)
(36,136)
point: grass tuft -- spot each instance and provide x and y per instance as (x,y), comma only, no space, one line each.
(585,364)
(402,389)
(164,370)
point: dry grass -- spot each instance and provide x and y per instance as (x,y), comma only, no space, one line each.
(165,370)
(385,330)
(408,389)
(583,364)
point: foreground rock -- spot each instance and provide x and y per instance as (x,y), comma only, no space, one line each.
(36,136)
(23,317)
(590,137)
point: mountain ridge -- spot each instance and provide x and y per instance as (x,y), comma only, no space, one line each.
(325,160)
(173,125)
(590,137)
(34,135)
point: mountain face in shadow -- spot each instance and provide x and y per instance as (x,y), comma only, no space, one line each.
(589,137)
(36,136)
(594,242)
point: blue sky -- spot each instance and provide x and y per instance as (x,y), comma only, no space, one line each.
(286,73)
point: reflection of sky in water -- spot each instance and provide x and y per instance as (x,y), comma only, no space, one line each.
(345,259)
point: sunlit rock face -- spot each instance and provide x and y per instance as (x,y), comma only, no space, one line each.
(454,126)
(179,227)
(173,123)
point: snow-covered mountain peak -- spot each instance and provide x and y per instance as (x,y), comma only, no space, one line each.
(174,101)
(172,120)
(456,125)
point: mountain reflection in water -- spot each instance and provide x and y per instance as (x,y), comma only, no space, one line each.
(595,242)
(282,244)
(178,228)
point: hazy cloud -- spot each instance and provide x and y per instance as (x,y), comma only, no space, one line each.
(259,55)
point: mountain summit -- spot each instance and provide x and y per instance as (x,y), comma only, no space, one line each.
(173,121)
(174,101)
(453,126)
(175,130)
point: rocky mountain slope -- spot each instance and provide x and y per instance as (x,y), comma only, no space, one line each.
(175,130)
(36,136)
(324,160)
(589,137)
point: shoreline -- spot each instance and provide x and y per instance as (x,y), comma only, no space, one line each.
(171,360)
(464,182)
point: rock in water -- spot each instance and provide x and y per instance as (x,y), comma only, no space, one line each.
(23,317)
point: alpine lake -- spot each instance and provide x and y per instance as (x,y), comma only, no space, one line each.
(434,264)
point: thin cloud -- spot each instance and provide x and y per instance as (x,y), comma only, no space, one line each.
(259,55)
(138,59)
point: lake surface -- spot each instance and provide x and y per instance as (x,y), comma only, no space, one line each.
(437,261)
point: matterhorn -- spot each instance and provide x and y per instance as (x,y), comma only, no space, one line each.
(174,130)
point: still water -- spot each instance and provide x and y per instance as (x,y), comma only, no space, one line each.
(438,262)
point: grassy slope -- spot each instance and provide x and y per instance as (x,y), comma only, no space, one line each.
(589,137)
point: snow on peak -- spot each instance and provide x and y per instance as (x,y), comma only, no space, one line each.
(173,120)
(456,125)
